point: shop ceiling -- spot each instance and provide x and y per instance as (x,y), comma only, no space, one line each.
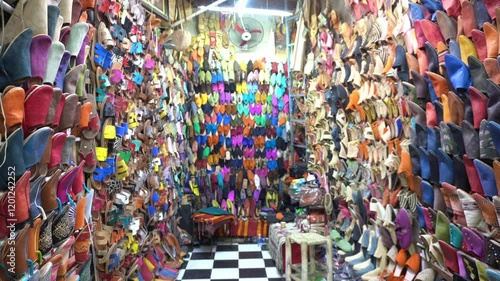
(257,4)
(284,5)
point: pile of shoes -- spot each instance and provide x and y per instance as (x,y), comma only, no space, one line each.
(46,206)
(404,101)
(92,143)
(237,127)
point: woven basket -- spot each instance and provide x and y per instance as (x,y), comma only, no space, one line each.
(181,39)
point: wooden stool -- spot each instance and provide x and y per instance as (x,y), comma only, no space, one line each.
(308,240)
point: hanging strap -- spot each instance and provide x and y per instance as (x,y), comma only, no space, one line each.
(183,9)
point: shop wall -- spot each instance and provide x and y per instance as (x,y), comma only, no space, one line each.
(266,48)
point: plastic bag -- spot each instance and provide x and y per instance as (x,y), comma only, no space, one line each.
(295,190)
(311,196)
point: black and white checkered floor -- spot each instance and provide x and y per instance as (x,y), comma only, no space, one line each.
(229,262)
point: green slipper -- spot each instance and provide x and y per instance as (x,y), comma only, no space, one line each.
(197,128)
(206,152)
(340,242)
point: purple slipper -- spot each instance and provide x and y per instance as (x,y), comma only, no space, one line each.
(403,229)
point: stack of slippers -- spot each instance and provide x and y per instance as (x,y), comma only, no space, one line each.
(93,143)
(237,131)
(403,104)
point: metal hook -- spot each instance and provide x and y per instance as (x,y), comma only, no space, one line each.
(6,7)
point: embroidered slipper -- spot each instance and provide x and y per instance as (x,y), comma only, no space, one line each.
(225,39)
(219,43)
(213,39)
(202,23)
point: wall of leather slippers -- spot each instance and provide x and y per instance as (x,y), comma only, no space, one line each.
(115,129)
(238,123)
(404,109)
(93,143)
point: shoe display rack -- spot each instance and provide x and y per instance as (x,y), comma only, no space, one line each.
(402,106)
(238,135)
(111,122)
(116,127)
(85,142)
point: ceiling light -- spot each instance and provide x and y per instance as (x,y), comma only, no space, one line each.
(250,11)
(241,4)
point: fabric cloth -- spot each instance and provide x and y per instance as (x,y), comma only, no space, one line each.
(276,244)
(247,228)
(214,211)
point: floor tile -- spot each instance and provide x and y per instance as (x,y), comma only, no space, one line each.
(225,248)
(252,272)
(200,264)
(248,248)
(269,263)
(228,262)
(197,274)
(201,256)
(181,274)
(250,255)
(251,263)
(227,243)
(225,273)
(226,256)
(225,264)
(272,272)
(204,249)
(266,255)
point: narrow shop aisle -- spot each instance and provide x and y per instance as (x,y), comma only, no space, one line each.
(229,262)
